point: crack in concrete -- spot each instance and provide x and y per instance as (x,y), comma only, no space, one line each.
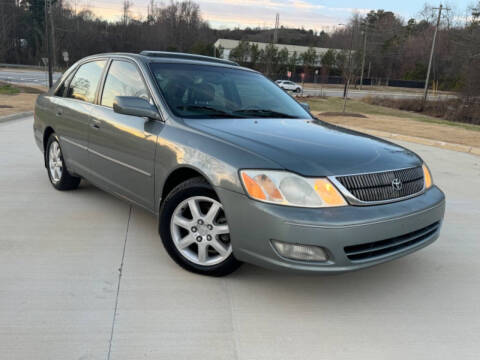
(234,328)
(120,270)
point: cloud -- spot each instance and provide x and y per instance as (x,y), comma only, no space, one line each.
(350,10)
(309,14)
(253,13)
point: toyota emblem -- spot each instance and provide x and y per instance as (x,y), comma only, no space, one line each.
(397,184)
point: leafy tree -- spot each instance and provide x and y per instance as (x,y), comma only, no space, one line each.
(241,53)
(292,62)
(254,55)
(329,59)
(270,59)
(283,62)
(309,58)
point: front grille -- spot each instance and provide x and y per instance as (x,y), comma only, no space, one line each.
(379,186)
(377,249)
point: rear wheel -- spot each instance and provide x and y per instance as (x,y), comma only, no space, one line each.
(194,229)
(58,174)
(297,90)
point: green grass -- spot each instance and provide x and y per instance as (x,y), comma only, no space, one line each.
(332,104)
(7,89)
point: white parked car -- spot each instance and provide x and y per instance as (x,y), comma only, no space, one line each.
(289,85)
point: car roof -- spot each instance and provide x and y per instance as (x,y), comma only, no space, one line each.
(186,56)
(173,57)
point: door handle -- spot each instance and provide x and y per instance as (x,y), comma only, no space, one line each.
(95,124)
(59,112)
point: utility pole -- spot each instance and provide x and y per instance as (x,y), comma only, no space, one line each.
(53,47)
(363,55)
(47,39)
(427,81)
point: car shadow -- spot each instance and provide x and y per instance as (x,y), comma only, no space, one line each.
(401,275)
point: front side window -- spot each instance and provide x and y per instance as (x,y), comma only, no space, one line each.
(123,79)
(61,89)
(85,81)
(202,91)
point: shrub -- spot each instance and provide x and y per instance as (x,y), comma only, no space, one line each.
(459,110)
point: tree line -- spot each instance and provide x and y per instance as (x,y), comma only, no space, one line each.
(395,48)
(388,47)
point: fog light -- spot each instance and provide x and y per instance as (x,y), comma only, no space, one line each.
(300,252)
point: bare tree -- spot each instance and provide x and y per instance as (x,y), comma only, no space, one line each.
(126,6)
(6,27)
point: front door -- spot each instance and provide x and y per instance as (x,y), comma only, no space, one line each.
(73,109)
(122,147)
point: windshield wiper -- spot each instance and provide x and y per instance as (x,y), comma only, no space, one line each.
(211,111)
(265,113)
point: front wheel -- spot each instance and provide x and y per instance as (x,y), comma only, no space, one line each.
(298,90)
(194,229)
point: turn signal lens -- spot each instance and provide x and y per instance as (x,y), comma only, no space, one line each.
(285,188)
(427,176)
(329,193)
(253,189)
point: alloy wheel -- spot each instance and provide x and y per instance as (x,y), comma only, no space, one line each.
(55,163)
(200,231)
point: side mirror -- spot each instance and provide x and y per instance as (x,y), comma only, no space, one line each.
(135,106)
(305,106)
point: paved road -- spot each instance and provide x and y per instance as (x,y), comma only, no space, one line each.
(61,295)
(26,77)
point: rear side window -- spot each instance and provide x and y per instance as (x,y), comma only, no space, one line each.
(85,82)
(123,79)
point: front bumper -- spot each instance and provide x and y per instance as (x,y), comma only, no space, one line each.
(253,224)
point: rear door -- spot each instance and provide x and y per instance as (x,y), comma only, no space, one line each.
(72,113)
(122,147)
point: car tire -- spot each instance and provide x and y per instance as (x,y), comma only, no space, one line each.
(298,90)
(194,230)
(57,171)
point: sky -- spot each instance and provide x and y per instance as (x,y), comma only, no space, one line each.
(310,14)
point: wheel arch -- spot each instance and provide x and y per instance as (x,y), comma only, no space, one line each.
(46,134)
(179,175)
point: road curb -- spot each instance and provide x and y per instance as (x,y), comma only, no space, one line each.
(15,116)
(419,140)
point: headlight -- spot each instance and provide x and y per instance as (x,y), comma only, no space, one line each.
(284,188)
(427,176)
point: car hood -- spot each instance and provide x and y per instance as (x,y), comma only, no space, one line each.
(310,147)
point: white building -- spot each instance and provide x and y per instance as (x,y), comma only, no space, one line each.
(227,45)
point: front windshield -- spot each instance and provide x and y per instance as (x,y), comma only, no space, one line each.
(202,91)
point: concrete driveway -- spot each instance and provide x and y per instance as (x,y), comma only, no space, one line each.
(62,296)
